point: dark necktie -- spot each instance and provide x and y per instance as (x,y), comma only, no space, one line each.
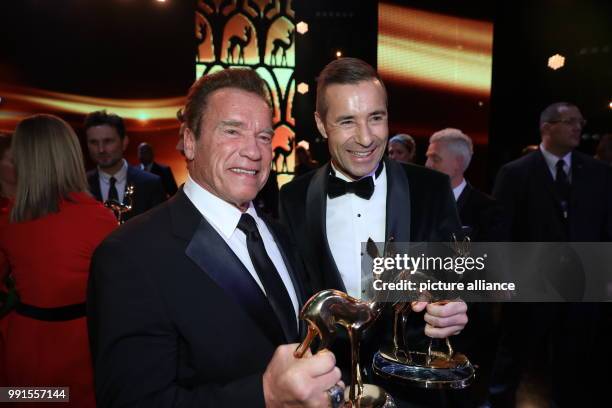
(112,190)
(562,186)
(275,288)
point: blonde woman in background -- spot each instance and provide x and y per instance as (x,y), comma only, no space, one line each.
(48,239)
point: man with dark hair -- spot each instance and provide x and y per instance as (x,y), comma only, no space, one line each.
(359,195)
(106,142)
(191,304)
(554,194)
(146,156)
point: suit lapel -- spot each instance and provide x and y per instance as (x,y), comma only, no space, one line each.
(579,186)
(398,203)
(464,197)
(545,178)
(208,250)
(94,185)
(316,217)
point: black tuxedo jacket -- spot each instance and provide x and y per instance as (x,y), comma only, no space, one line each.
(148,189)
(165,173)
(168,323)
(525,188)
(481,216)
(420,208)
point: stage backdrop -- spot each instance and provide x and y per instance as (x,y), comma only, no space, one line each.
(436,65)
(258,35)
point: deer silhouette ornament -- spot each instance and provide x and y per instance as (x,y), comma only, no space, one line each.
(280,44)
(241,43)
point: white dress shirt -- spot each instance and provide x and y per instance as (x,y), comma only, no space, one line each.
(224,218)
(120,183)
(551,162)
(459,189)
(351,220)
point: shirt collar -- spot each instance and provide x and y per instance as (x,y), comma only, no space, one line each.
(459,189)
(221,214)
(551,159)
(120,176)
(377,177)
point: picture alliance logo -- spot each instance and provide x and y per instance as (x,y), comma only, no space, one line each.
(424,263)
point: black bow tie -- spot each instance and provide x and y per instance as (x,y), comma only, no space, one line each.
(363,188)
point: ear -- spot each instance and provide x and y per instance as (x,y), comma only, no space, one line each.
(126,142)
(320,125)
(189,144)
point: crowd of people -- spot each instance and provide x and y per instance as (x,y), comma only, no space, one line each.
(195,299)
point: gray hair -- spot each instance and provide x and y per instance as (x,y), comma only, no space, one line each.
(404,139)
(551,112)
(457,141)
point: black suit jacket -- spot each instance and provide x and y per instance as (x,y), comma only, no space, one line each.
(148,189)
(168,324)
(481,216)
(165,173)
(525,188)
(420,208)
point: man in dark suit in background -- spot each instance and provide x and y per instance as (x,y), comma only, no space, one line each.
(199,316)
(146,156)
(106,142)
(555,194)
(450,152)
(358,195)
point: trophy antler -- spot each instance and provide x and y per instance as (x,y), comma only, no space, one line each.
(119,209)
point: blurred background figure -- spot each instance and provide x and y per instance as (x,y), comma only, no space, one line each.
(146,156)
(8,179)
(450,151)
(107,142)
(48,237)
(528,149)
(303,161)
(402,148)
(604,148)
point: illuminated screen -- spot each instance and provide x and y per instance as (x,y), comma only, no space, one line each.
(437,69)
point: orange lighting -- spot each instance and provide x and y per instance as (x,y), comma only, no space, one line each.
(302,27)
(556,61)
(302,88)
(435,51)
(610,105)
(338,54)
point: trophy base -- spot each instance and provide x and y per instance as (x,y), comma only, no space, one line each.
(417,368)
(373,397)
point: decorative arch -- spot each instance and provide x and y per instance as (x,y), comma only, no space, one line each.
(271,22)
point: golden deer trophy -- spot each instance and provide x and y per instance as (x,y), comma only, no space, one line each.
(119,209)
(431,369)
(323,312)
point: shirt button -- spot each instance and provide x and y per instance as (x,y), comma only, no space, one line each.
(359,215)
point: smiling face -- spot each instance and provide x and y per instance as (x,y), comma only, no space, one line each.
(232,156)
(355,126)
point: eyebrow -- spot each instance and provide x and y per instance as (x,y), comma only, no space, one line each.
(239,124)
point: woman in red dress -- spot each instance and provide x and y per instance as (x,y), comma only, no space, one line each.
(47,239)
